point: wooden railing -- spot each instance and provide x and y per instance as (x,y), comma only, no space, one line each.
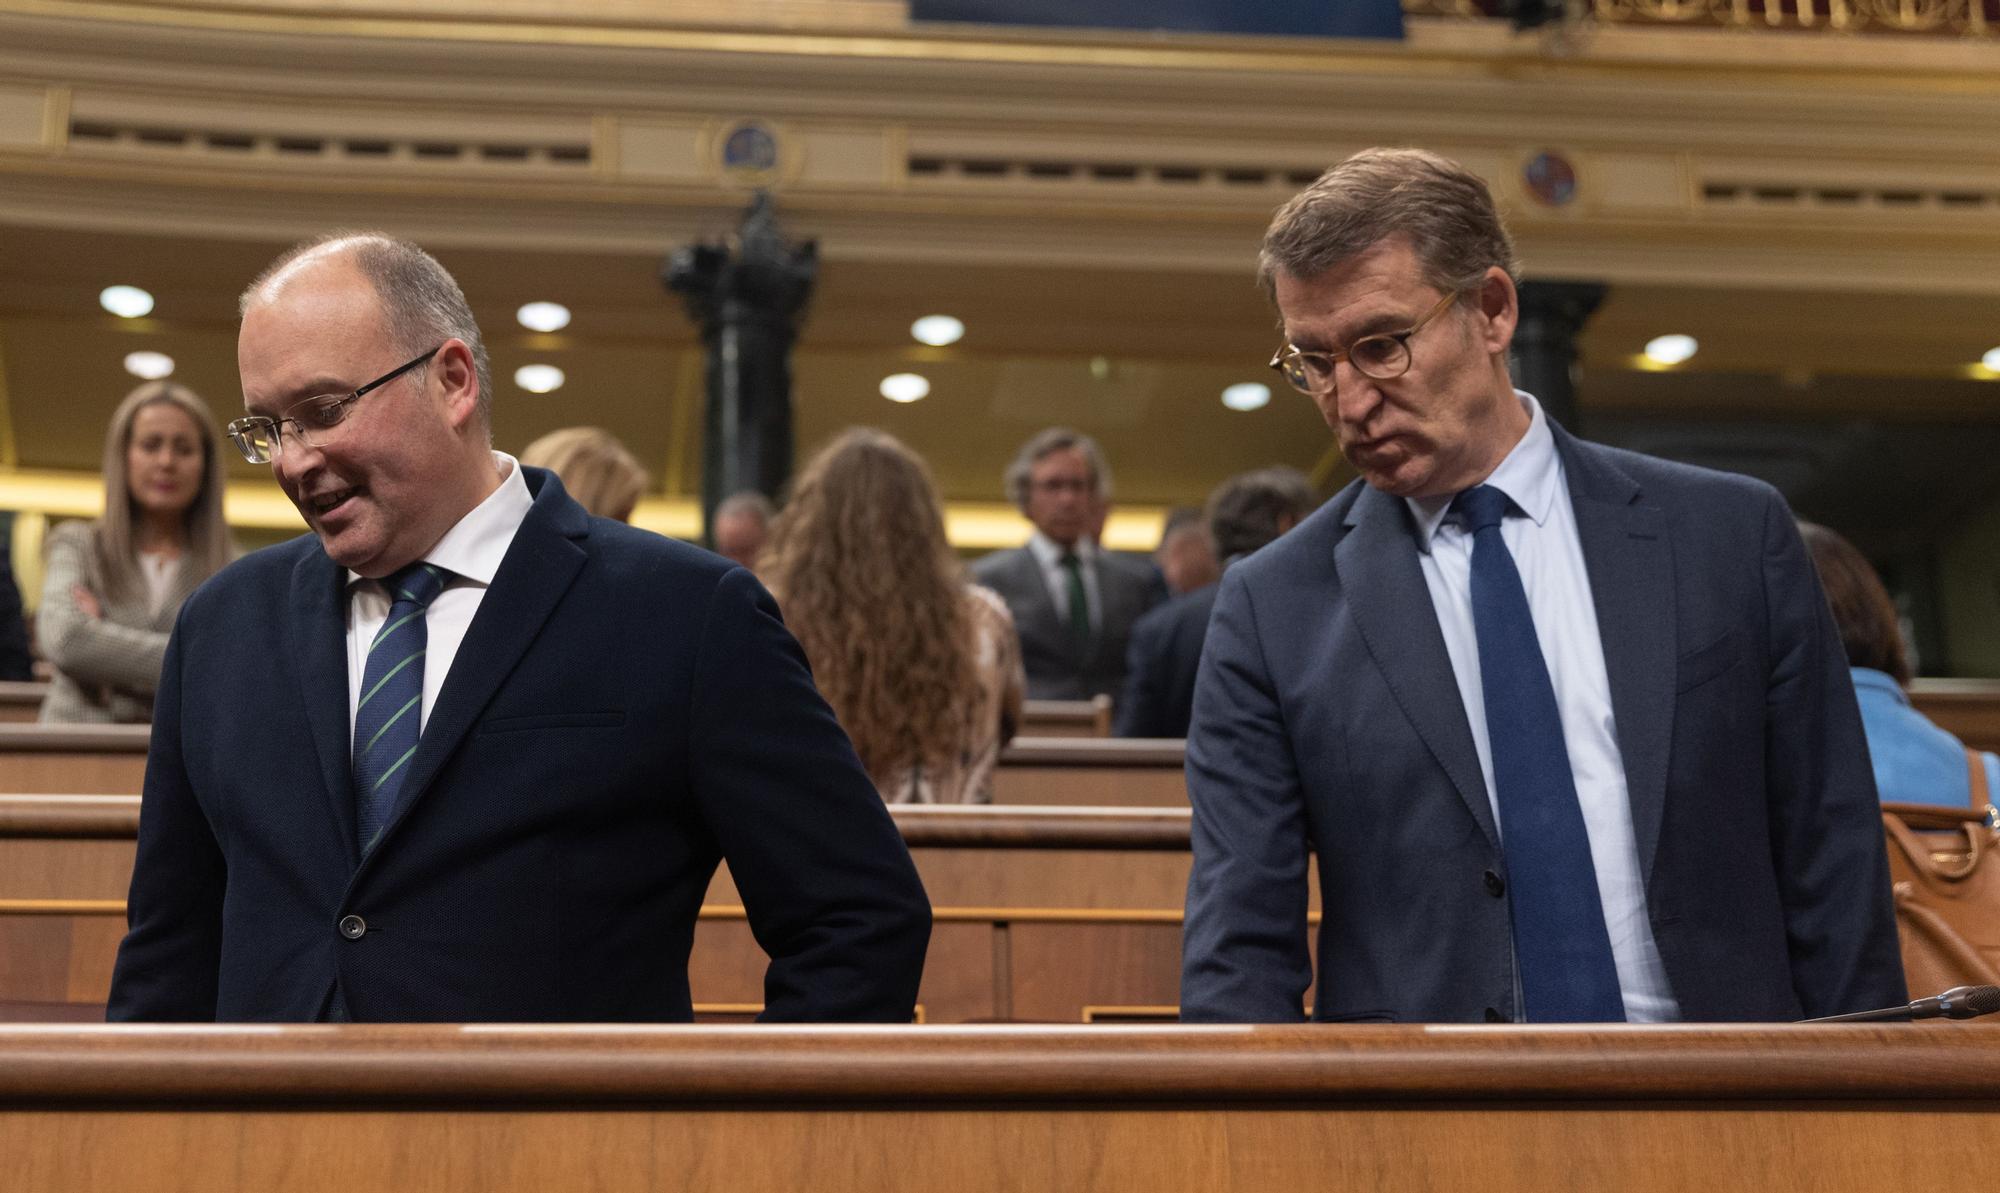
(504,1109)
(1958,18)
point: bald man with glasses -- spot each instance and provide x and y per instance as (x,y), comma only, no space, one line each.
(465,753)
(1567,729)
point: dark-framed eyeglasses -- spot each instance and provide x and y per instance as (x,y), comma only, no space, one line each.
(261,438)
(1381,356)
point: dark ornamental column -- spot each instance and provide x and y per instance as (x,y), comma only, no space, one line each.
(1544,353)
(748,295)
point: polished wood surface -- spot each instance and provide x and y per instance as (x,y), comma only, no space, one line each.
(86,759)
(499,1109)
(21,702)
(1968,708)
(1118,772)
(1066,718)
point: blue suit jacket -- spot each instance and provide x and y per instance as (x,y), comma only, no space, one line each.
(624,711)
(1160,666)
(1327,718)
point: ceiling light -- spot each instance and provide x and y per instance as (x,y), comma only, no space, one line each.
(538,379)
(126,302)
(1247,395)
(905,387)
(937,330)
(1991,360)
(543,316)
(1671,350)
(150,365)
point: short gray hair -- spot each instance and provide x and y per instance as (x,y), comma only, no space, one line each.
(422,304)
(750,502)
(1245,511)
(1443,208)
(1056,439)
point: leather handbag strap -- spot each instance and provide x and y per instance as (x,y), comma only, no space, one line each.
(1975,766)
(1943,936)
(1919,856)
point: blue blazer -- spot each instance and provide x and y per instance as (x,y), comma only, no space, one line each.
(625,711)
(1915,761)
(1327,719)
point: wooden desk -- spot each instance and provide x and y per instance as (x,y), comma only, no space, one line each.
(21,702)
(83,759)
(969,1109)
(1968,708)
(1041,913)
(1108,772)
(1066,718)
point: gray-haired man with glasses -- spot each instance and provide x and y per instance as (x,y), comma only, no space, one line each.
(1568,729)
(465,752)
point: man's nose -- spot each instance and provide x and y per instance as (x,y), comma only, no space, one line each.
(293,458)
(1355,394)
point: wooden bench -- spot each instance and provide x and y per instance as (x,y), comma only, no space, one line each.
(1969,709)
(21,701)
(523,1109)
(1041,913)
(81,759)
(1067,718)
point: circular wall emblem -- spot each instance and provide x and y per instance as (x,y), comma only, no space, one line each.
(1550,178)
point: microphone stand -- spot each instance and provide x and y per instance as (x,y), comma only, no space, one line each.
(1959,1002)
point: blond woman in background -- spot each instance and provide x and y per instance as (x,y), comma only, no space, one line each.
(594,468)
(113,586)
(922,668)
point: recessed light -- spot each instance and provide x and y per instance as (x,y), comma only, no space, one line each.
(543,316)
(938,330)
(1247,395)
(1671,350)
(1991,360)
(150,365)
(126,302)
(538,379)
(905,387)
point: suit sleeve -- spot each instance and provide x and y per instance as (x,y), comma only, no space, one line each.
(1826,827)
(93,651)
(1142,706)
(1244,956)
(831,893)
(169,962)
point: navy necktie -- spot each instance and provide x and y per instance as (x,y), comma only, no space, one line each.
(1561,948)
(390,715)
(1078,621)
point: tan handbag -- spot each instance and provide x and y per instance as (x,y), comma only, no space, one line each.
(1944,866)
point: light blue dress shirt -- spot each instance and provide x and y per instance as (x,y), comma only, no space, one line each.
(1549,555)
(1915,761)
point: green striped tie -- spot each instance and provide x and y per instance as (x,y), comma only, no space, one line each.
(390,716)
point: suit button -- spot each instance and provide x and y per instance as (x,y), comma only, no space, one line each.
(1493,1015)
(353,927)
(1495,885)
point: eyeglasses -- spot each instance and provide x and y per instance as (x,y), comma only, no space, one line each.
(1380,356)
(260,439)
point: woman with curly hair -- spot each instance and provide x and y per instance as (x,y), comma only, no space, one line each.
(922,668)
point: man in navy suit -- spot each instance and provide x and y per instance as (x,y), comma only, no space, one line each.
(1568,729)
(465,752)
(1244,513)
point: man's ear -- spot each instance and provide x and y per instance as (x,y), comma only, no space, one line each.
(1500,304)
(458,381)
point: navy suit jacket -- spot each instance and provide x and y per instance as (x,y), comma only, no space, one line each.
(624,711)
(1327,718)
(1056,669)
(1160,666)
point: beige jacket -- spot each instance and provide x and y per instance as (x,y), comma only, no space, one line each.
(107,668)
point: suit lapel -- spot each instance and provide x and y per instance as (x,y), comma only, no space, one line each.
(538,568)
(317,634)
(1629,558)
(1050,625)
(1384,587)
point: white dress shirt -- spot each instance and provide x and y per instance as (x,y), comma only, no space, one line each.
(471,551)
(1049,554)
(1549,556)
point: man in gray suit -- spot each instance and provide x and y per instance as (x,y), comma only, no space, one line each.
(1568,729)
(1073,602)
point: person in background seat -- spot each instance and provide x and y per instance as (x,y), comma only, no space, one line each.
(113,587)
(1915,761)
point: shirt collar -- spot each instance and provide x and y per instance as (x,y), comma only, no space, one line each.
(473,548)
(1880,681)
(1529,476)
(1048,553)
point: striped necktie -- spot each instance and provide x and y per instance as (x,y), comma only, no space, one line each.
(1561,947)
(390,715)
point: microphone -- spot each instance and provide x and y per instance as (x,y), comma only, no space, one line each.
(1959,1002)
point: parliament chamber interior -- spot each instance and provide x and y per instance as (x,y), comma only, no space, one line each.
(1755,237)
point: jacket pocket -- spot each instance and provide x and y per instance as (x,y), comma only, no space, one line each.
(1697,667)
(554,720)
